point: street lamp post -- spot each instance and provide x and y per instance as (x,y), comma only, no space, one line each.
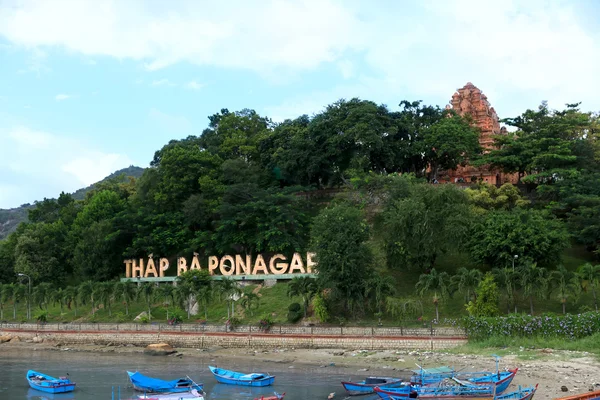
(28,295)
(514,258)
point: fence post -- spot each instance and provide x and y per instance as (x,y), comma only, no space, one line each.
(280,329)
(431,327)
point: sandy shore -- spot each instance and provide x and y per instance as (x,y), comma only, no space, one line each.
(578,372)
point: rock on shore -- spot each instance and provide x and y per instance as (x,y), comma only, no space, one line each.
(159,349)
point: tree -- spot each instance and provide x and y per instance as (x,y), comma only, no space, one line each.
(403,308)
(184,294)
(534,282)
(199,283)
(486,300)
(104,292)
(146,290)
(338,237)
(534,235)
(124,291)
(250,300)
(466,281)
(304,287)
(589,276)
(379,288)
(70,295)
(229,289)
(450,142)
(167,294)
(58,296)
(566,284)
(19,292)
(423,222)
(507,280)
(5,295)
(489,197)
(85,293)
(42,294)
(436,282)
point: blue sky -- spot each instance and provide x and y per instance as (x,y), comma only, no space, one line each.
(91,86)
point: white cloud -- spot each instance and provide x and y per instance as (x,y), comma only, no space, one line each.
(40,164)
(296,35)
(346,68)
(62,97)
(194,85)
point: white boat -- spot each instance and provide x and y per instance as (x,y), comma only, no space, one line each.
(193,394)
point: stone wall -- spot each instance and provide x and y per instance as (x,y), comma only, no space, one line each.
(227,339)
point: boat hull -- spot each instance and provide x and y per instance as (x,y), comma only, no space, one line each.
(48,384)
(359,388)
(145,384)
(237,378)
(256,383)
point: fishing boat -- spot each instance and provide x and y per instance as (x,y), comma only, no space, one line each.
(448,389)
(276,396)
(147,384)
(476,392)
(368,385)
(502,379)
(239,378)
(595,395)
(192,394)
(49,384)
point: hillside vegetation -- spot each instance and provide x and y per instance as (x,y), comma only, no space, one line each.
(12,217)
(352,184)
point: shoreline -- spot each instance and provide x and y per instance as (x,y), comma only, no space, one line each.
(578,371)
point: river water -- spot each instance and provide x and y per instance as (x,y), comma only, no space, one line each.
(96,374)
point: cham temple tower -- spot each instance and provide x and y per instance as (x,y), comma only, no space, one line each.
(470,100)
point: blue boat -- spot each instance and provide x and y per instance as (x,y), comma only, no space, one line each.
(521,394)
(147,384)
(368,385)
(239,378)
(451,389)
(49,384)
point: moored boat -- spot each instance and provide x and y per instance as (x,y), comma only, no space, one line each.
(192,394)
(595,395)
(239,378)
(368,385)
(476,392)
(276,396)
(48,384)
(143,383)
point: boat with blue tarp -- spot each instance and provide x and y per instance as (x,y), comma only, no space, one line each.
(368,385)
(48,384)
(239,378)
(147,384)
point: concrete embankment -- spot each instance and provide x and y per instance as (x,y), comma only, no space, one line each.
(130,334)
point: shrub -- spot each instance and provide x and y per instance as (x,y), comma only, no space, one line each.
(120,317)
(144,319)
(41,317)
(294,313)
(175,318)
(265,323)
(570,326)
(320,308)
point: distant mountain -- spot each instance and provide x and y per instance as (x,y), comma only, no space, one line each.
(12,217)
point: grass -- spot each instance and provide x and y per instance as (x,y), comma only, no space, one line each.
(529,347)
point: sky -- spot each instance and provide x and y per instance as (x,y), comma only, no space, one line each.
(91,86)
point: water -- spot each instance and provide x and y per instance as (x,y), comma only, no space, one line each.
(96,373)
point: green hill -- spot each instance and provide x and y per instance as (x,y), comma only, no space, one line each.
(12,217)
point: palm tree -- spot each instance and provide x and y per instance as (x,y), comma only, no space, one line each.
(589,276)
(249,300)
(436,282)
(534,281)
(126,292)
(566,284)
(104,293)
(5,294)
(42,293)
(58,296)
(466,281)
(184,295)
(19,292)
(85,292)
(204,295)
(146,289)
(506,279)
(70,296)
(166,292)
(402,308)
(379,287)
(304,287)
(229,289)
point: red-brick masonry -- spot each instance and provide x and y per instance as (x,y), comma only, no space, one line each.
(236,339)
